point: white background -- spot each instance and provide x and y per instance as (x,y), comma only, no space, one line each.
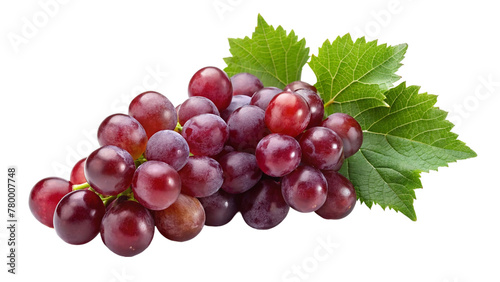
(84,60)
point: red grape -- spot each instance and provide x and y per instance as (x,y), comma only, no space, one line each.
(246,128)
(78,216)
(341,197)
(348,129)
(304,189)
(45,196)
(278,154)
(219,207)
(168,146)
(109,170)
(214,84)
(182,221)
(156,185)
(127,228)
(201,176)
(125,132)
(263,206)
(321,148)
(240,171)
(287,113)
(153,111)
(205,134)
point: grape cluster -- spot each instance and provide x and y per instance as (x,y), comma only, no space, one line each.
(232,146)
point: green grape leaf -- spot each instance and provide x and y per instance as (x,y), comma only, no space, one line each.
(402,140)
(271,55)
(352,76)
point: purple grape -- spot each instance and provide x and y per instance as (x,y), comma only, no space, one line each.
(125,132)
(219,207)
(194,106)
(201,176)
(304,189)
(316,106)
(245,84)
(263,206)
(45,196)
(341,197)
(240,171)
(348,129)
(127,228)
(205,134)
(214,84)
(109,170)
(169,147)
(237,102)
(154,112)
(156,185)
(78,216)
(278,154)
(262,97)
(321,148)
(246,128)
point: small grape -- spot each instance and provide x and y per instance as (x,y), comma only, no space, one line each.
(153,111)
(201,176)
(348,129)
(341,197)
(169,147)
(78,216)
(304,189)
(322,148)
(287,113)
(182,221)
(219,207)
(109,170)
(278,154)
(205,134)
(246,128)
(125,132)
(263,206)
(156,185)
(127,228)
(240,171)
(45,196)
(245,84)
(214,84)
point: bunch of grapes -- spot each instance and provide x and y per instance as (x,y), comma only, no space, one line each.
(232,146)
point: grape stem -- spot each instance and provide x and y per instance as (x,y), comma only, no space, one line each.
(178,128)
(106,199)
(140,161)
(81,186)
